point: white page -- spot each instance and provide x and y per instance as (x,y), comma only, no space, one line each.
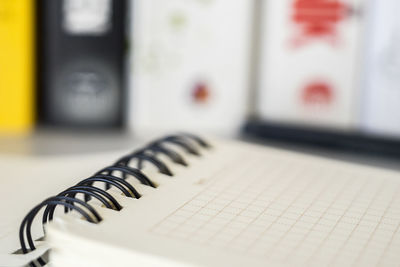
(247,205)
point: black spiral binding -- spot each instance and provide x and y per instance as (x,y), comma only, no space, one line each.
(188,142)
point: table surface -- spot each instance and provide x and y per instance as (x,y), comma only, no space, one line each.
(49,143)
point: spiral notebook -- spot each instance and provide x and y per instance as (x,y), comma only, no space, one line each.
(186,201)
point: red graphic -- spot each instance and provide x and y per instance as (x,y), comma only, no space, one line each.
(317,94)
(201,93)
(318,19)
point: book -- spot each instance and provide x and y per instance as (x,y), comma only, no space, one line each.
(309,66)
(381,94)
(81,60)
(327,75)
(17,66)
(190,65)
(183,200)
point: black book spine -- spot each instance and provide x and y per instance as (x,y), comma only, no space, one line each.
(81,49)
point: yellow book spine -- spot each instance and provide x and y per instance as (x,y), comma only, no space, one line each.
(16,66)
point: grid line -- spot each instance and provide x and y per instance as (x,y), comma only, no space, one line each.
(292,211)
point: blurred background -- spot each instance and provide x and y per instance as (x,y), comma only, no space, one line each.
(96,73)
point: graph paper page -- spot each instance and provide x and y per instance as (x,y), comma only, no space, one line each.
(268,206)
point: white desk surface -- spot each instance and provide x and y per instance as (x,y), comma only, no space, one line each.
(47,143)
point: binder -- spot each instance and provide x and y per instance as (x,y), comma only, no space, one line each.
(81,60)
(16,66)
(183,51)
(309,70)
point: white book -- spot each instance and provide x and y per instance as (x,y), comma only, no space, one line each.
(310,62)
(381,107)
(239,204)
(190,64)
